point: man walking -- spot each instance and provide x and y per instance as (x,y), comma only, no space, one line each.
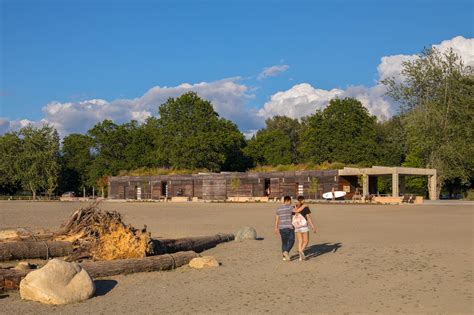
(284,226)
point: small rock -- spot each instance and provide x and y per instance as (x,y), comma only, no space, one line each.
(58,282)
(203,262)
(246,233)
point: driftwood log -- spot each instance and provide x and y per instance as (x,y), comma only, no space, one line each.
(34,249)
(10,278)
(107,268)
(48,249)
(197,244)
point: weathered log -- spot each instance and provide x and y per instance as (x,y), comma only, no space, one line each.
(34,249)
(22,234)
(197,244)
(107,268)
(47,249)
(10,278)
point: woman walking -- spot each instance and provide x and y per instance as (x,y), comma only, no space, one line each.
(302,221)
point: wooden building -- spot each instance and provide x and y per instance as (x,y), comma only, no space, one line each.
(223,186)
(260,186)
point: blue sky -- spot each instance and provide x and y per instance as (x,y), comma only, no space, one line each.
(65,52)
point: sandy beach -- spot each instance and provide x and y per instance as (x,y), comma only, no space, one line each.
(364,259)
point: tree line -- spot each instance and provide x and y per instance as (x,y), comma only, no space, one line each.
(433,129)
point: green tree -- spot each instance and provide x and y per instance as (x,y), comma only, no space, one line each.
(76,157)
(437,100)
(391,142)
(38,161)
(10,148)
(270,147)
(109,146)
(192,135)
(276,144)
(343,132)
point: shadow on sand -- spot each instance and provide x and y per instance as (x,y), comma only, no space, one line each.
(102,287)
(316,250)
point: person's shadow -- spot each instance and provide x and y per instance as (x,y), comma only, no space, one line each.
(316,250)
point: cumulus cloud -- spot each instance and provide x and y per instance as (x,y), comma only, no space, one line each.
(391,66)
(300,100)
(272,71)
(7,125)
(228,96)
(303,99)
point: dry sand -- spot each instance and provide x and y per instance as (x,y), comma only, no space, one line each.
(367,259)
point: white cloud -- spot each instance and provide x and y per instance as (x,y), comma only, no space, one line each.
(391,66)
(303,99)
(463,47)
(300,100)
(13,125)
(228,96)
(272,71)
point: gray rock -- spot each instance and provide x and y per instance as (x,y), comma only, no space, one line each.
(246,233)
(58,282)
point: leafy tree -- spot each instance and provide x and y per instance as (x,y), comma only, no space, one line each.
(38,161)
(109,144)
(192,135)
(437,99)
(76,156)
(391,142)
(270,147)
(291,128)
(10,148)
(344,132)
(276,144)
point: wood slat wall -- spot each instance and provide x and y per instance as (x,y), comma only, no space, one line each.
(218,186)
(214,189)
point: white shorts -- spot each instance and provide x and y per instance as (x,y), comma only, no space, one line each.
(302,229)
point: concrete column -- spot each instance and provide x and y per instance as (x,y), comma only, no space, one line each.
(432,182)
(401,182)
(365,185)
(395,189)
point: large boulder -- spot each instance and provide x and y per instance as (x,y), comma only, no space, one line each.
(58,282)
(246,233)
(203,262)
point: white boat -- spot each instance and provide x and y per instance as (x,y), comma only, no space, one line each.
(337,194)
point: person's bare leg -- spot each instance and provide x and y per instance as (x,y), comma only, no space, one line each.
(305,237)
(299,237)
(305,241)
